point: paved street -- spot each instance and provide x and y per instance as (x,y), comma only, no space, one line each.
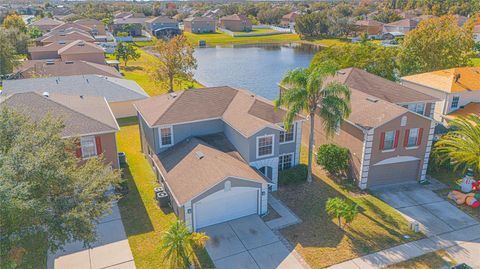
(248,243)
(111,250)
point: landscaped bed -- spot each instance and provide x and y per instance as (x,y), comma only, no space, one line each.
(318,238)
(144,221)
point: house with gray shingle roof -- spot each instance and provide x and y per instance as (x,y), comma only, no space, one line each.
(217,151)
(120,93)
(87,117)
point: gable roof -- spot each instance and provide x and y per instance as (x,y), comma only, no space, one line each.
(290,15)
(449,80)
(42,68)
(80,46)
(55,46)
(235,17)
(46,22)
(244,111)
(163,19)
(68,36)
(182,168)
(379,87)
(68,25)
(370,23)
(81,115)
(113,89)
(203,19)
(410,23)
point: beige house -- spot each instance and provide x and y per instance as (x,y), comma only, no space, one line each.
(66,37)
(46,24)
(86,117)
(59,68)
(389,132)
(457,89)
(77,50)
(236,23)
(199,25)
(371,27)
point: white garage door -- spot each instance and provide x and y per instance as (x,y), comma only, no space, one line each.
(225,205)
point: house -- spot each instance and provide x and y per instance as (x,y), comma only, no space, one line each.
(98,28)
(132,26)
(162,26)
(86,117)
(123,14)
(236,23)
(67,37)
(288,20)
(217,150)
(199,25)
(46,24)
(403,26)
(476,33)
(371,27)
(58,68)
(388,133)
(120,93)
(69,26)
(455,89)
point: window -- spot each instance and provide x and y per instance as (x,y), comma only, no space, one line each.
(338,128)
(287,136)
(266,171)
(455,101)
(88,146)
(418,108)
(166,136)
(265,146)
(413,137)
(285,161)
(389,139)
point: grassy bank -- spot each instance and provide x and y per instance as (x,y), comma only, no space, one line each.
(224,39)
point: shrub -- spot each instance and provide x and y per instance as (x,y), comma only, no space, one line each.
(333,159)
(293,175)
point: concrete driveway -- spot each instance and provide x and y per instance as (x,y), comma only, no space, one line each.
(247,243)
(418,203)
(111,250)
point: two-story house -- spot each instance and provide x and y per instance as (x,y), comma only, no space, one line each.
(162,26)
(457,90)
(388,133)
(217,150)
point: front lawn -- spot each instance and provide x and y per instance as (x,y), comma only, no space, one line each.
(144,221)
(378,226)
(432,260)
(223,39)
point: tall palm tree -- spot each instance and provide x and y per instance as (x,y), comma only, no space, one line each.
(306,90)
(461,146)
(179,245)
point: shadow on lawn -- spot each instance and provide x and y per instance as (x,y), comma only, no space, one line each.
(132,68)
(134,215)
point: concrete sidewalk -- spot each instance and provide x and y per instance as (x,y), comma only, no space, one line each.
(287,217)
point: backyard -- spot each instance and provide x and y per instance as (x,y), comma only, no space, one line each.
(378,226)
(223,39)
(144,221)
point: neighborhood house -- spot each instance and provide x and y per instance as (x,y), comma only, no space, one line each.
(236,23)
(199,25)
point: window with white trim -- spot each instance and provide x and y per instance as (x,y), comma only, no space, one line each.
(88,146)
(287,136)
(285,161)
(265,146)
(413,137)
(166,136)
(455,101)
(389,140)
(417,107)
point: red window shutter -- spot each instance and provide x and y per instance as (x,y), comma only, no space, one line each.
(420,133)
(382,140)
(397,134)
(98,143)
(405,140)
(78,150)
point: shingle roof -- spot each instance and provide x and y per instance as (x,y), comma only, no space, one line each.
(411,23)
(80,46)
(68,25)
(46,21)
(241,109)
(49,47)
(445,80)
(188,175)
(471,108)
(164,19)
(368,23)
(205,19)
(31,68)
(81,115)
(234,17)
(69,36)
(113,89)
(130,21)
(379,87)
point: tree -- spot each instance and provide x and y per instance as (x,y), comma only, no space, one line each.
(18,39)
(460,146)
(340,208)
(377,60)
(305,90)
(179,245)
(312,25)
(34,32)
(176,60)
(8,57)
(14,21)
(436,44)
(43,190)
(126,52)
(333,158)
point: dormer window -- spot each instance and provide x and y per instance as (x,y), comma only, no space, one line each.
(418,108)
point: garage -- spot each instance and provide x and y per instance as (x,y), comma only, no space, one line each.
(225,205)
(393,173)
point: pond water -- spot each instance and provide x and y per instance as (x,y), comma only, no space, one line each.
(258,68)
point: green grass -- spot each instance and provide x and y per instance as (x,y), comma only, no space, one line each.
(476,61)
(258,31)
(318,238)
(144,221)
(433,260)
(327,42)
(224,39)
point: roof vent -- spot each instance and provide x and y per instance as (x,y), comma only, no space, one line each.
(340,72)
(69,62)
(81,96)
(371,99)
(45,94)
(62,43)
(173,94)
(50,62)
(81,43)
(199,155)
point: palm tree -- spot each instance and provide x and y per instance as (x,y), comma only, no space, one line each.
(461,146)
(306,90)
(179,245)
